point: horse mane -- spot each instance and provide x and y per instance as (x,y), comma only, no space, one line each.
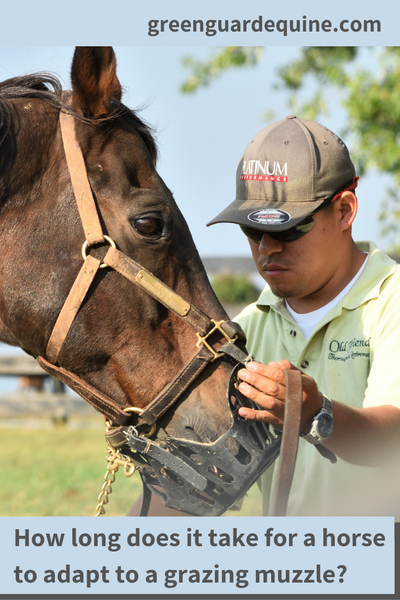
(46,86)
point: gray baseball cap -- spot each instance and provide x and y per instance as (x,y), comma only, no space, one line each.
(286,172)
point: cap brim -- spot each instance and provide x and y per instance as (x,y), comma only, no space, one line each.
(267,216)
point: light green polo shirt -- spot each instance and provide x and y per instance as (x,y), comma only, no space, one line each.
(354,356)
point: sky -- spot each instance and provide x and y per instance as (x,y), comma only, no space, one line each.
(201,137)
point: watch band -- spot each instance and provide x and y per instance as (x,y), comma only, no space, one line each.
(325,415)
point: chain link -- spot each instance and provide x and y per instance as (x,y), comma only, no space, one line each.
(115,460)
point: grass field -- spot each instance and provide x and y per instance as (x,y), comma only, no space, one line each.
(59,472)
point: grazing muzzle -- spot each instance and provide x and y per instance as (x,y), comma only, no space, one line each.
(207,479)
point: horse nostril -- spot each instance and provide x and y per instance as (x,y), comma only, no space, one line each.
(190,434)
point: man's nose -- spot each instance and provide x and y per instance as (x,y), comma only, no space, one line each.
(269,246)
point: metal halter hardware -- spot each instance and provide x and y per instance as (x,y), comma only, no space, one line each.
(202,339)
(194,477)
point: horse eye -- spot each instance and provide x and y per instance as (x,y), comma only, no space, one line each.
(149,226)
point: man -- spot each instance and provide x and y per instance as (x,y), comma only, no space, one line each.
(331,309)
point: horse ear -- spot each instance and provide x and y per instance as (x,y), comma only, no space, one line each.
(94,80)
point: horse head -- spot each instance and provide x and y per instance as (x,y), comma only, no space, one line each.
(124,343)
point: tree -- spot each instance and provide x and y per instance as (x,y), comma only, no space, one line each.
(204,72)
(235,289)
(369,91)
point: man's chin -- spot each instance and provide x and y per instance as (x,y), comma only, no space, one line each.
(282,292)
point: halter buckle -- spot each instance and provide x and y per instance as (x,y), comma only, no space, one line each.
(202,339)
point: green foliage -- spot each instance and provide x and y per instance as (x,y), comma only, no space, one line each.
(389,217)
(325,63)
(235,289)
(371,98)
(373,105)
(204,72)
(370,95)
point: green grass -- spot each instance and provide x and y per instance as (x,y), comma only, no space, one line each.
(59,472)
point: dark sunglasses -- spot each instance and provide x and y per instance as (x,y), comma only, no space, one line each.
(289,235)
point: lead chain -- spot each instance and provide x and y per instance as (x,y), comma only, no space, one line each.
(115,460)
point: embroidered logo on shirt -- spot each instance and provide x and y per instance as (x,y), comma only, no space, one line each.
(350,349)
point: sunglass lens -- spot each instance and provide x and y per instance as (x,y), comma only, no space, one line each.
(290,235)
(255,235)
(294,233)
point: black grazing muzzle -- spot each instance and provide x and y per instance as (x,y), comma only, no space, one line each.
(207,479)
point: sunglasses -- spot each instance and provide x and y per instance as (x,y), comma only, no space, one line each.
(289,235)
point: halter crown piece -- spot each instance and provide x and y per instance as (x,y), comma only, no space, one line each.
(197,478)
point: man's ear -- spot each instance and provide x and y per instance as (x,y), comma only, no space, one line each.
(347,205)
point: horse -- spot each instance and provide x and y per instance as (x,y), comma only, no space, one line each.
(120,335)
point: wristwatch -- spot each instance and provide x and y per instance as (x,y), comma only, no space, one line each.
(322,425)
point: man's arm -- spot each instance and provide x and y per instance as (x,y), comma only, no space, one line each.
(363,436)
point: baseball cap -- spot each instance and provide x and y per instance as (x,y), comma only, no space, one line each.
(286,172)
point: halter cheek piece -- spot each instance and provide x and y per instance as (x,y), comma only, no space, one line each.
(198,478)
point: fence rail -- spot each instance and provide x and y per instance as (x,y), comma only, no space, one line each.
(55,404)
(45,404)
(20,366)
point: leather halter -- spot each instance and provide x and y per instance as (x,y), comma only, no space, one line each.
(228,331)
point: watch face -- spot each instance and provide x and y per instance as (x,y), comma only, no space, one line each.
(325,425)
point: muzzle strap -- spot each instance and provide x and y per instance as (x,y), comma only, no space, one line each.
(167,398)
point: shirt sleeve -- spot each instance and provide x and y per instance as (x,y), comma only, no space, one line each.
(383,384)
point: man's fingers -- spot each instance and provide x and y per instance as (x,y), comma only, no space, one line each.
(261,383)
(260,415)
(283,365)
(274,407)
(269,401)
(266,386)
(274,371)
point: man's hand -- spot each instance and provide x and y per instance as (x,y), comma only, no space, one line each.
(266,385)
(362,436)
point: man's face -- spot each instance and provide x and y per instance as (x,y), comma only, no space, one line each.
(304,267)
